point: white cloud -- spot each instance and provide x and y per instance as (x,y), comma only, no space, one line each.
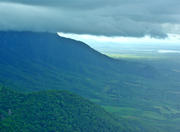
(95,40)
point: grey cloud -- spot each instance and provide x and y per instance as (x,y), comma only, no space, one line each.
(100,17)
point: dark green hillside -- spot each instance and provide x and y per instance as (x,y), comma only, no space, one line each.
(51,111)
(39,61)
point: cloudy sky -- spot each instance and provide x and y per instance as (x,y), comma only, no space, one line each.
(128,18)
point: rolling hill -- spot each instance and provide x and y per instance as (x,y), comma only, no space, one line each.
(52,111)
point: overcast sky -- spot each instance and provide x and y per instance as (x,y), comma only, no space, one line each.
(131,18)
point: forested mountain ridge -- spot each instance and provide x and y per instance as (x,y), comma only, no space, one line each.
(37,61)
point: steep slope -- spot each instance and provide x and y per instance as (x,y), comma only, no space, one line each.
(38,61)
(52,111)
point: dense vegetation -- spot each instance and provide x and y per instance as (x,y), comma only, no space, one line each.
(50,111)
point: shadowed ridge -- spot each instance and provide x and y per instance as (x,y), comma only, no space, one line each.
(36,61)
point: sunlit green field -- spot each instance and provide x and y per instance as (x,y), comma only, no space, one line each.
(129,56)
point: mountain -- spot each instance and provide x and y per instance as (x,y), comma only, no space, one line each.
(34,62)
(50,111)
(37,61)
